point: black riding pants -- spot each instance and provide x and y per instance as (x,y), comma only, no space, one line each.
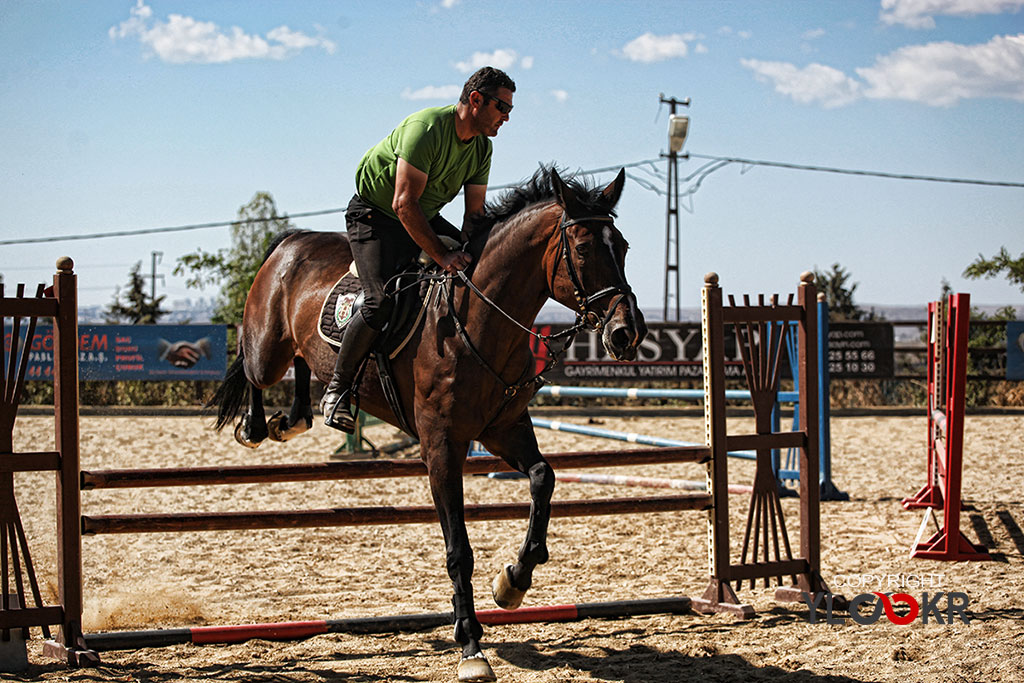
(382,247)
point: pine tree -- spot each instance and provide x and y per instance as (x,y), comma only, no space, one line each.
(134,305)
(839,295)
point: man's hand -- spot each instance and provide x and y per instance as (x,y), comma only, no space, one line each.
(454,261)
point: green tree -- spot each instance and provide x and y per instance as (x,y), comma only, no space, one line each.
(982,267)
(835,285)
(134,305)
(234,268)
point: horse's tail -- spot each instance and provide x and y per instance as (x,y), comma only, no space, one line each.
(232,393)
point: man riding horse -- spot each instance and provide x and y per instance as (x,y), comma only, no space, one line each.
(401,185)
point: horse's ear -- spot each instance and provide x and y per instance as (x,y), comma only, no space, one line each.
(564,194)
(612,193)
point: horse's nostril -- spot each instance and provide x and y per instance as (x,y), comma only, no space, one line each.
(620,338)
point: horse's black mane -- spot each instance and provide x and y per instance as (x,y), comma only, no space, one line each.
(540,187)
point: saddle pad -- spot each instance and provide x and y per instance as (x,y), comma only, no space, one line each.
(337,308)
(337,311)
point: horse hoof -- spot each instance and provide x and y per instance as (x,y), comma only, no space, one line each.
(277,430)
(476,668)
(241,437)
(506,595)
(274,427)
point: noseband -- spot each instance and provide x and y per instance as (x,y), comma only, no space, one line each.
(592,319)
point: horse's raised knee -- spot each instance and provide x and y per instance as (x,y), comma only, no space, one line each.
(542,481)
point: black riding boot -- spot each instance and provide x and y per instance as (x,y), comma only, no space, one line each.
(355,345)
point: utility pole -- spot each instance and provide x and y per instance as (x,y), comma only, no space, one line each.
(157,257)
(678,127)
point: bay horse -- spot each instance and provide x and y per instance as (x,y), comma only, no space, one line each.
(467,372)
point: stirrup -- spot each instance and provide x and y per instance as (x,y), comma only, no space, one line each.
(339,416)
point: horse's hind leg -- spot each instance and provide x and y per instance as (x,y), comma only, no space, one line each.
(300,416)
(518,447)
(251,430)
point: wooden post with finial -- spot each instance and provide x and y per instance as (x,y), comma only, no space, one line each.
(70,644)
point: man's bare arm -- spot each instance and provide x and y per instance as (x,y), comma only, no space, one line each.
(475,196)
(409,185)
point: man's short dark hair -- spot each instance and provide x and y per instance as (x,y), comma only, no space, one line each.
(487,81)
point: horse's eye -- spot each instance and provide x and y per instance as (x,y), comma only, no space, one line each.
(582,249)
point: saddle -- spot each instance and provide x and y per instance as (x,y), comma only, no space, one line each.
(412,294)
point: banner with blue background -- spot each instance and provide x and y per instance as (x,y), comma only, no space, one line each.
(123,352)
(1015,349)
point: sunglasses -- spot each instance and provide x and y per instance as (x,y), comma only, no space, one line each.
(499,104)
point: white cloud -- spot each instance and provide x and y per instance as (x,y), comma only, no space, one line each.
(560,95)
(433,92)
(296,40)
(921,13)
(937,74)
(448,4)
(180,39)
(500,59)
(815,83)
(943,73)
(526,62)
(651,48)
(813,34)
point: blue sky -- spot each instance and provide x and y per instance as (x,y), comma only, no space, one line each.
(122,115)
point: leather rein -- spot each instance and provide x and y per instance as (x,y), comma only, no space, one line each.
(586,318)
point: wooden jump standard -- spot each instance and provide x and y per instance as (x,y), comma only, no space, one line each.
(759,330)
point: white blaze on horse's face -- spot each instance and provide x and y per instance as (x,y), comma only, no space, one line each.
(608,235)
(625,328)
(632,316)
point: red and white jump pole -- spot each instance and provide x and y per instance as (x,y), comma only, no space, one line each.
(299,630)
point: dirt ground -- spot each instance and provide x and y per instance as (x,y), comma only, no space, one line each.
(165,580)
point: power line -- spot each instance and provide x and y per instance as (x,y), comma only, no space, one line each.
(649,165)
(224,224)
(848,171)
(176,228)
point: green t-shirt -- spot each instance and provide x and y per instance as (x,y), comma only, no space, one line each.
(427,140)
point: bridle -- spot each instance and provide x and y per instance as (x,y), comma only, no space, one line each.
(586,318)
(583,300)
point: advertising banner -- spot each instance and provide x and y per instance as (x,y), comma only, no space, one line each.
(1015,350)
(671,351)
(860,350)
(123,352)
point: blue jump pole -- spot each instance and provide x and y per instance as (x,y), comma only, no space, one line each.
(829,491)
(557,426)
(786,471)
(556,391)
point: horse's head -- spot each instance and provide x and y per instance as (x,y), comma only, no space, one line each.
(588,271)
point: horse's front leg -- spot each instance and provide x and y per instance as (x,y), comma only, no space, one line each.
(518,447)
(444,466)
